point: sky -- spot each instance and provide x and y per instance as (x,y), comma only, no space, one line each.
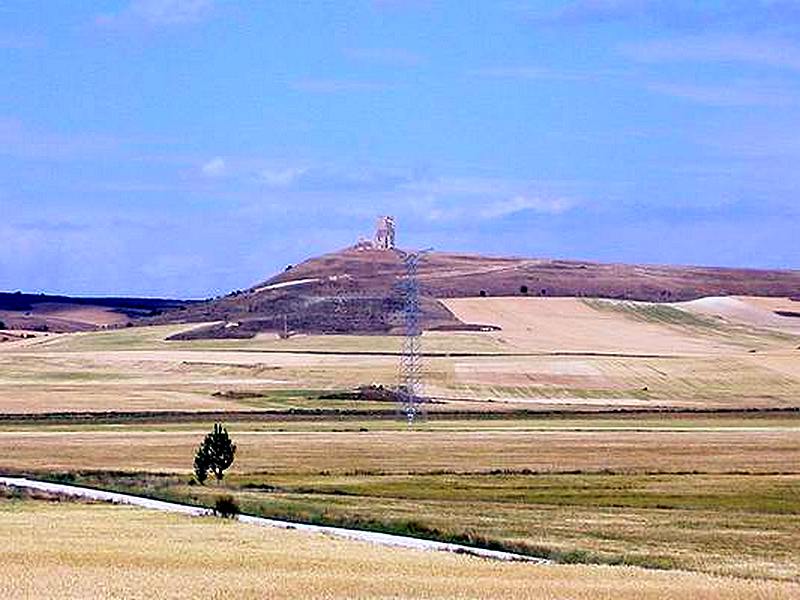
(187,148)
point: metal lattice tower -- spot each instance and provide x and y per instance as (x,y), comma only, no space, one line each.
(410,386)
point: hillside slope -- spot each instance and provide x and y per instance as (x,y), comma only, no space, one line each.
(43,312)
(356,290)
(449,275)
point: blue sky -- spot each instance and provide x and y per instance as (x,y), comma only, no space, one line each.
(191,147)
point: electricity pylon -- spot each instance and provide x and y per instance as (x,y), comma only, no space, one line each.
(410,386)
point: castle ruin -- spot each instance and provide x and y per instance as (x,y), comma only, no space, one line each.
(384,234)
(384,238)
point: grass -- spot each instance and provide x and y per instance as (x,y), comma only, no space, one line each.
(136,369)
(709,493)
(509,422)
(671,316)
(125,552)
(713,494)
(658,313)
(743,525)
(152,337)
(759,450)
(775,494)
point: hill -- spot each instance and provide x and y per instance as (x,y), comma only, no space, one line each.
(61,314)
(356,290)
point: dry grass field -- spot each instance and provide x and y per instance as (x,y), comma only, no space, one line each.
(63,317)
(631,354)
(570,325)
(709,492)
(77,551)
(710,325)
(751,449)
(755,311)
(552,353)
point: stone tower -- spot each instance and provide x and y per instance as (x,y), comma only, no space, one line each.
(384,234)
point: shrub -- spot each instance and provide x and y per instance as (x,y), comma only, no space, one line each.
(523,289)
(226,507)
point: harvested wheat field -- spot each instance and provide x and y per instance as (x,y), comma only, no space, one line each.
(165,450)
(68,550)
(610,326)
(578,352)
(552,354)
(569,325)
(757,311)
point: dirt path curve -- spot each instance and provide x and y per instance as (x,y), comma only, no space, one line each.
(382,539)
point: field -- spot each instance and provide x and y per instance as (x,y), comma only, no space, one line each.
(586,431)
(550,354)
(712,494)
(100,550)
(44,313)
(462,446)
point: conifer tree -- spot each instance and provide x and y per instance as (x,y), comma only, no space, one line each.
(215,454)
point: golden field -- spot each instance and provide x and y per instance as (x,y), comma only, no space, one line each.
(266,448)
(714,493)
(551,354)
(709,494)
(80,551)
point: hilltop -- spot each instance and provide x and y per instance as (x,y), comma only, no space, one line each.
(355,290)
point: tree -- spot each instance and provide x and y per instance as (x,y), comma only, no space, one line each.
(201,465)
(214,454)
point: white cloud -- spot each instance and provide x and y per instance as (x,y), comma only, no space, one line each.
(465,198)
(336,86)
(687,15)
(742,93)
(387,56)
(156,13)
(740,49)
(216,167)
(168,267)
(469,210)
(19,140)
(449,186)
(20,41)
(280,177)
(535,73)
(504,208)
